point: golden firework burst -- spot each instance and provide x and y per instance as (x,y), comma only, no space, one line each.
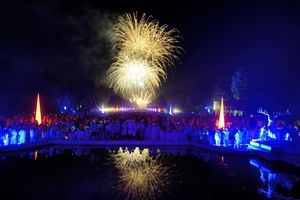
(142,50)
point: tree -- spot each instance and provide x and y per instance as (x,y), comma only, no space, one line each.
(239,83)
(220,90)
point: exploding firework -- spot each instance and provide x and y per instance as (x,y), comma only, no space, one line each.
(146,39)
(142,52)
(140,175)
(129,76)
(142,100)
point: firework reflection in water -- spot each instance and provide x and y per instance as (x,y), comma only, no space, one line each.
(141,176)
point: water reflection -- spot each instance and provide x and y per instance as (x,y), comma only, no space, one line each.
(139,173)
(273,179)
(86,151)
(141,176)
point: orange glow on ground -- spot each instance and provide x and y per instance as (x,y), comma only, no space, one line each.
(221,122)
(38,115)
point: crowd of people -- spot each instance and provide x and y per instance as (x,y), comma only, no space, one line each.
(239,131)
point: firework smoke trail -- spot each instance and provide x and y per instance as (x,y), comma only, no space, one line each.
(142,52)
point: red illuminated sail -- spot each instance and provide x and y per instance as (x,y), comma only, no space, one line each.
(221,122)
(38,115)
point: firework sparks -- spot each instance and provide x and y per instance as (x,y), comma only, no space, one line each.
(131,76)
(146,39)
(141,176)
(142,52)
(143,99)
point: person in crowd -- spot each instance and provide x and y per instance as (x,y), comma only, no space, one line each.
(22,137)
(238,138)
(225,137)
(218,137)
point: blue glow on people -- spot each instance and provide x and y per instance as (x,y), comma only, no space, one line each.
(154,124)
(170,110)
(102,109)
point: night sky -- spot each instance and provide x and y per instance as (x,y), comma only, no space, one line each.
(61,47)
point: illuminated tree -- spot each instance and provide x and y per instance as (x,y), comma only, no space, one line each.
(239,83)
(219,90)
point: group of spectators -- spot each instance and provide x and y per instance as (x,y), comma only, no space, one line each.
(238,132)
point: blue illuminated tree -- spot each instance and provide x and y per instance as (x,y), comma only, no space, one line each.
(239,83)
(219,92)
(64,104)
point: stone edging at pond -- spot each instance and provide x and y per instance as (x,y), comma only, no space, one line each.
(291,159)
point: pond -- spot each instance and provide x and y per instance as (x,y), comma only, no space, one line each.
(57,172)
